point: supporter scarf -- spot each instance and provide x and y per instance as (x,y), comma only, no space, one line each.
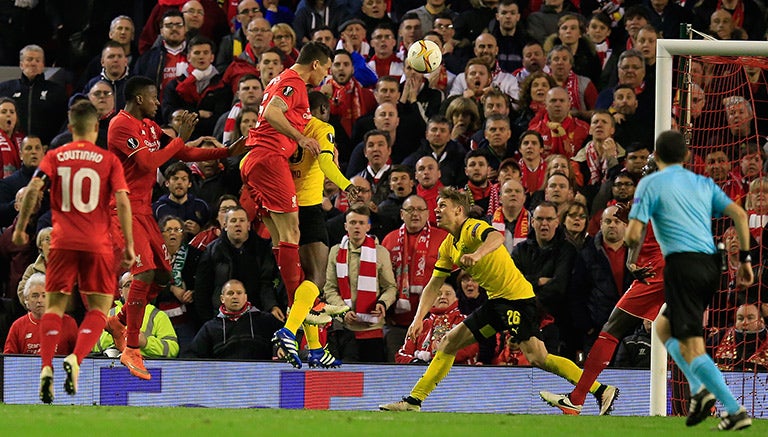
(494,202)
(192,88)
(249,52)
(737,15)
(522,226)
(442,79)
(439,328)
(367,283)
(347,100)
(478,192)
(756,223)
(598,167)
(603,52)
(532,180)
(401,263)
(229,123)
(383,64)
(234,315)
(572,85)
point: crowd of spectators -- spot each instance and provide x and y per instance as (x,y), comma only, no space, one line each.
(543,110)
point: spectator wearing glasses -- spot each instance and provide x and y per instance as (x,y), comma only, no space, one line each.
(211,18)
(232,45)
(413,252)
(102,95)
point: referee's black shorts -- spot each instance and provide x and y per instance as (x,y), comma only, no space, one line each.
(519,317)
(312,225)
(690,281)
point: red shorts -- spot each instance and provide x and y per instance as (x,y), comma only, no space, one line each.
(643,300)
(269,182)
(148,243)
(92,272)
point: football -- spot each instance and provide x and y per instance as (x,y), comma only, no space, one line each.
(424,56)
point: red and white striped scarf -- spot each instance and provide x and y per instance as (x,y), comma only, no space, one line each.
(346,102)
(367,283)
(401,263)
(522,227)
(572,86)
(598,167)
(229,123)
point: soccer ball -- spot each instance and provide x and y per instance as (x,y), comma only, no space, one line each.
(424,56)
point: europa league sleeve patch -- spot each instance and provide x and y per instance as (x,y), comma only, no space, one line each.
(287,91)
(330,138)
(133,143)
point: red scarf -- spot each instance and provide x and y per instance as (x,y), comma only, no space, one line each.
(347,103)
(383,64)
(478,193)
(367,283)
(532,180)
(401,262)
(522,227)
(737,15)
(598,167)
(572,85)
(494,202)
(249,52)
(234,315)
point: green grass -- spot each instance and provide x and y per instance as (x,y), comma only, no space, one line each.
(46,420)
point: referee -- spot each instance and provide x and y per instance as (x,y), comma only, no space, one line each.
(680,204)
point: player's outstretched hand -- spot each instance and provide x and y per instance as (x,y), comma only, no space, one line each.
(353,191)
(310,144)
(642,273)
(19,238)
(238,147)
(414,331)
(744,276)
(469,259)
(187,125)
(129,257)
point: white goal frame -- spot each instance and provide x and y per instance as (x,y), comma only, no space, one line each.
(665,50)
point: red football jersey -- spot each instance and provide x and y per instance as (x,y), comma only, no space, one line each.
(127,135)
(650,253)
(24,336)
(289,87)
(84,178)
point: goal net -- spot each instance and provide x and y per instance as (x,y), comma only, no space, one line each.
(716,93)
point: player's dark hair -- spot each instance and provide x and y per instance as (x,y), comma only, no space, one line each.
(460,198)
(175,168)
(373,132)
(136,85)
(671,147)
(314,51)
(82,117)
(318,99)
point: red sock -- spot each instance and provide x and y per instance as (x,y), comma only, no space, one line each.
(88,334)
(50,329)
(597,360)
(134,311)
(290,268)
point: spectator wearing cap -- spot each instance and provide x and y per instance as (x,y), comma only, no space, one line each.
(352,39)
(102,95)
(317,13)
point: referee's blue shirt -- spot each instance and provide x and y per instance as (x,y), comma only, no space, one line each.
(680,204)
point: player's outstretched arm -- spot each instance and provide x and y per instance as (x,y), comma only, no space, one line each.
(633,236)
(428,296)
(493,241)
(274,113)
(126,225)
(35,186)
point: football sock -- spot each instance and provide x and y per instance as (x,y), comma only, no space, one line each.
(303,301)
(437,370)
(567,369)
(312,334)
(290,268)
(673,348)
(598,359)
(50,329)
(134,311)
(88,334)
(710,376)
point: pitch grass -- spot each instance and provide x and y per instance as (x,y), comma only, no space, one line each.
(47,420)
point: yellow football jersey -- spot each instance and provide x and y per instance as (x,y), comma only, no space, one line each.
(496,272)
(309,171)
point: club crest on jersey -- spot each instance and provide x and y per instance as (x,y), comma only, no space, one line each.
(287,91)
(133,143)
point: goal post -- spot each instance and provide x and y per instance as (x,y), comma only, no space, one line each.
(666,49)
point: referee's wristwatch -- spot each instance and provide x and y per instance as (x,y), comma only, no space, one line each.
(745,257)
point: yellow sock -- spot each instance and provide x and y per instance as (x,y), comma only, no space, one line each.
(437,370)
(313,336)
(305,296)
(567,369)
